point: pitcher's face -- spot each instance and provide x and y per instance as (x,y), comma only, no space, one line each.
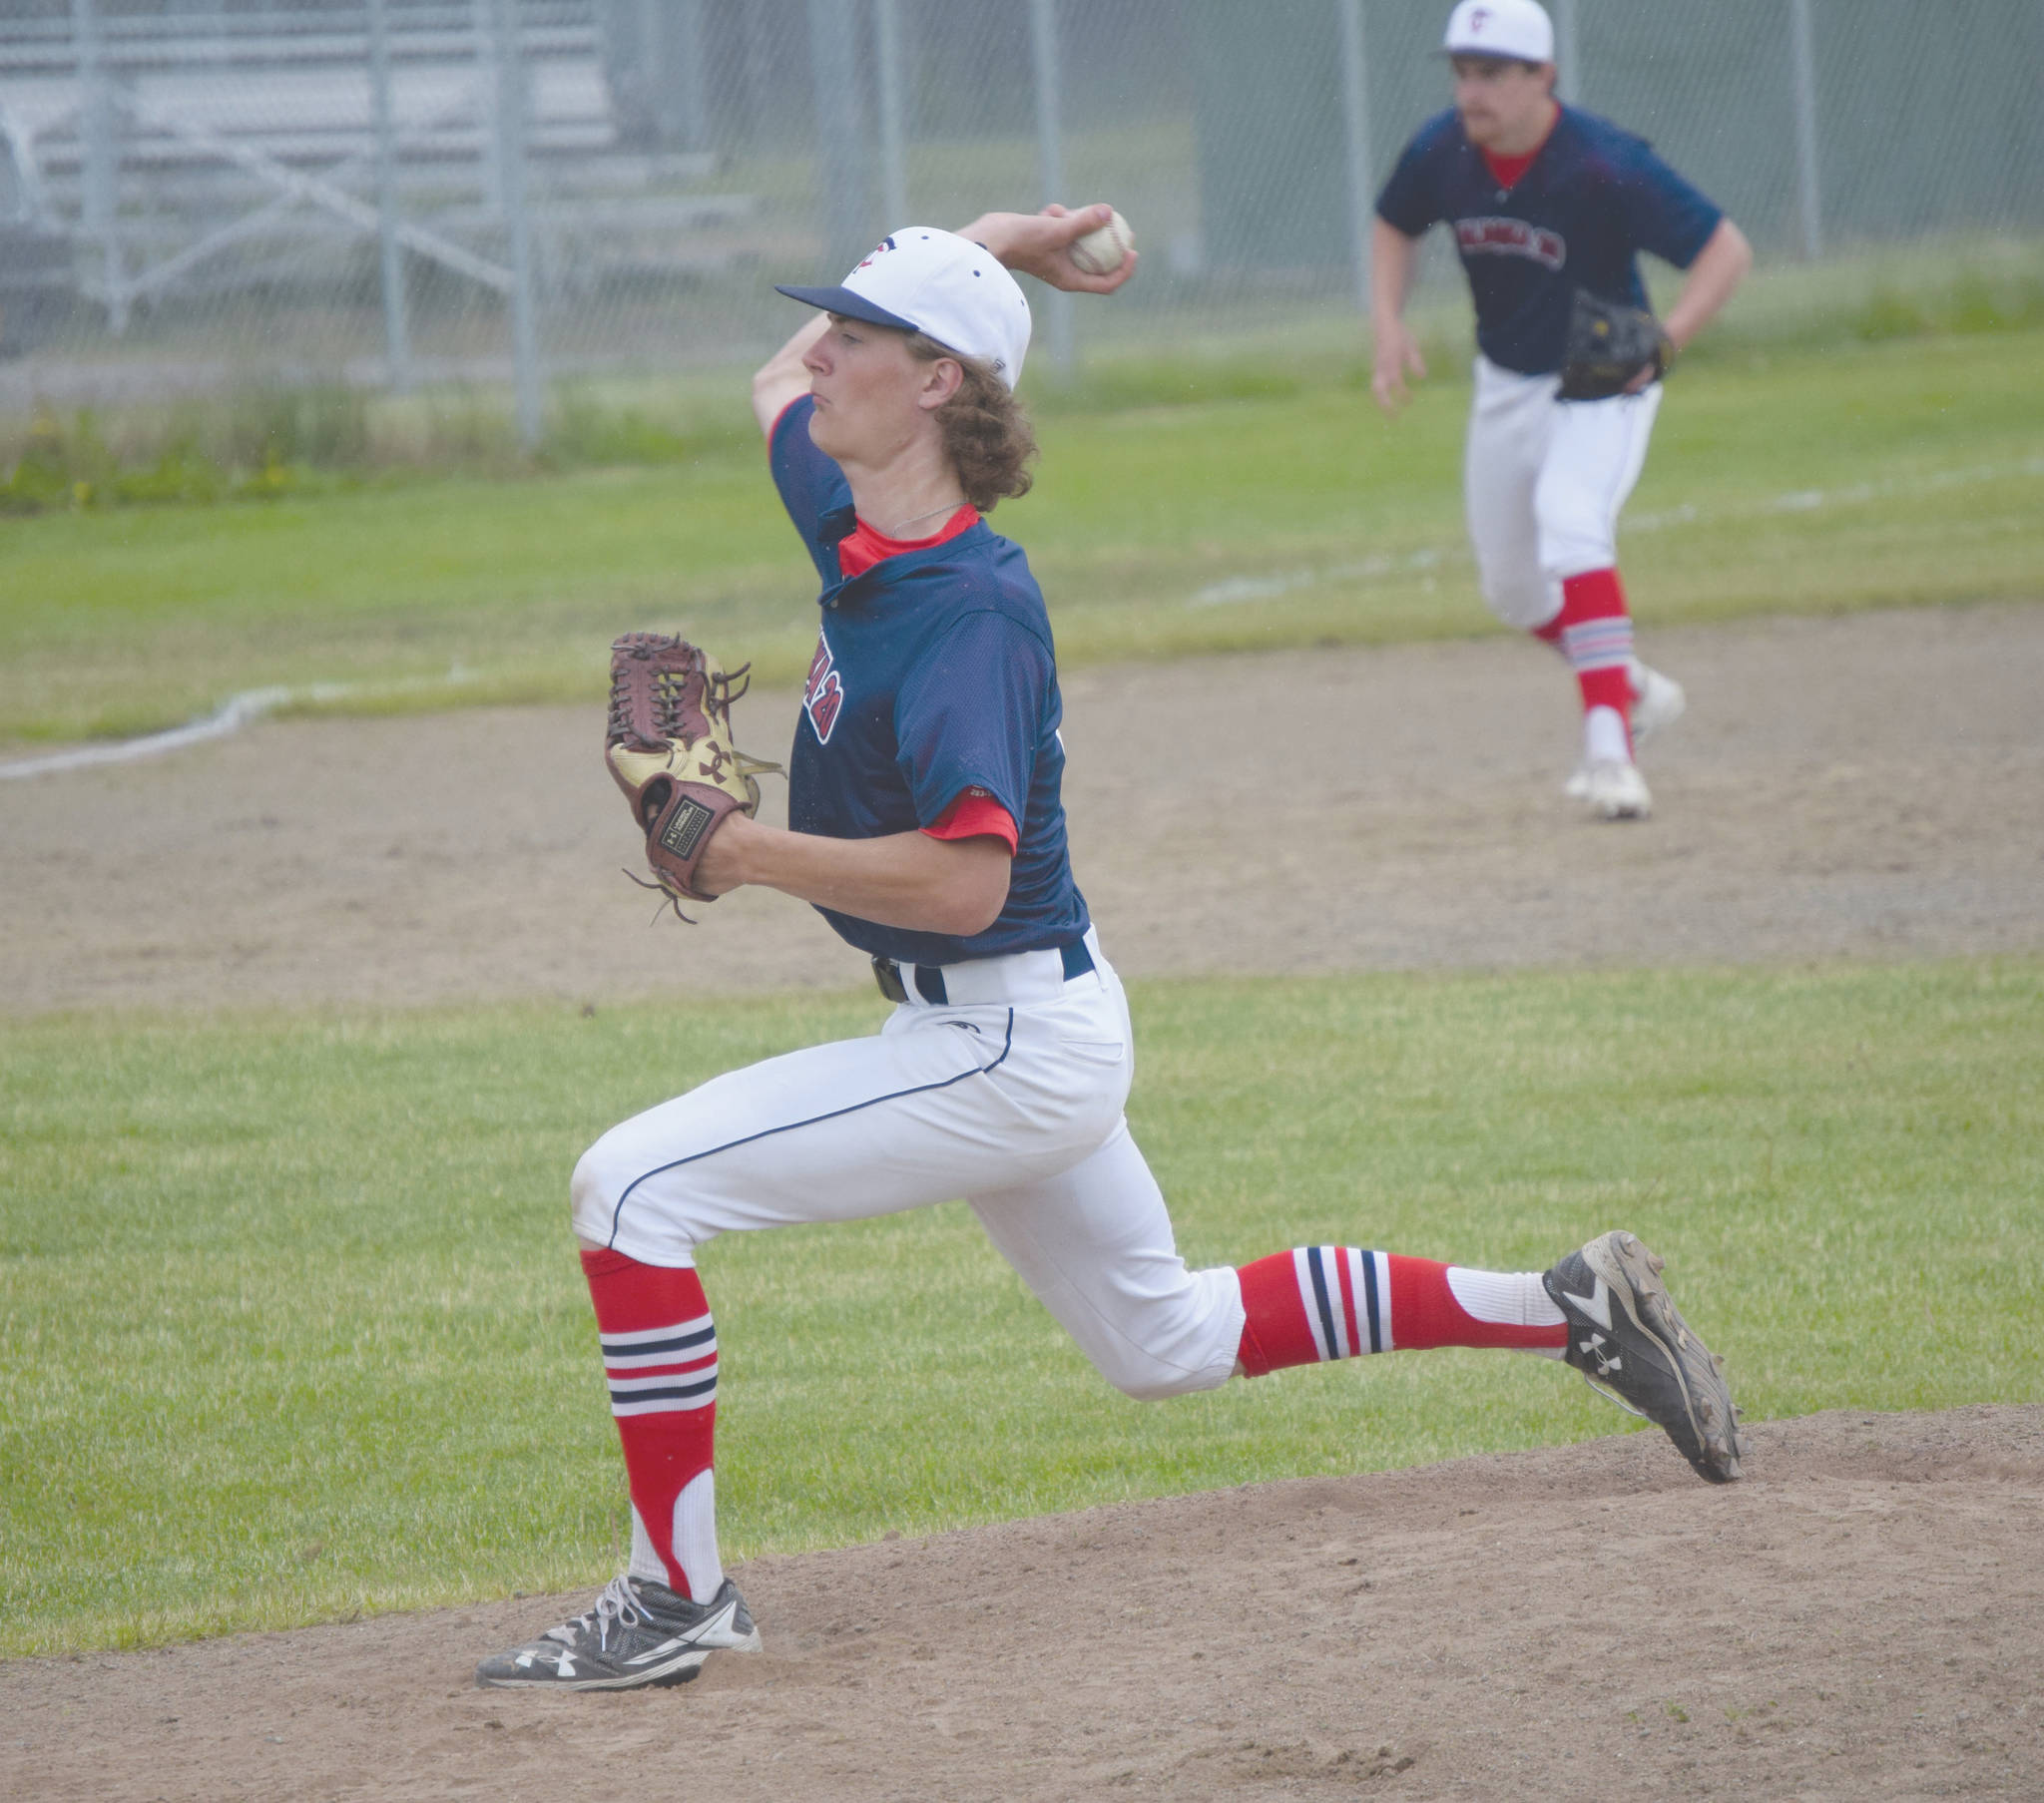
(867,385)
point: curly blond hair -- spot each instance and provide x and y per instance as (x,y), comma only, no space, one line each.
(986,434)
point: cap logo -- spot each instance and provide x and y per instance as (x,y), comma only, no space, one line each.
(884,246)
(1479,18)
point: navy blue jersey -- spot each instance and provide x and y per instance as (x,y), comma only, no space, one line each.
(935,673)
(1594,198)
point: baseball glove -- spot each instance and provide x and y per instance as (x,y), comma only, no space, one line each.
(1608,346)
(667,745)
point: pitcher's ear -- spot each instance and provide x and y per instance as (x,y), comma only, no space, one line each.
(942,378)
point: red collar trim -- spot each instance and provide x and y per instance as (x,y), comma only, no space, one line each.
(966,516)
(863,547)
(1508,171)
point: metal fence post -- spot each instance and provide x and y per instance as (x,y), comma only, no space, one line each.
(649,75)
(894,133)
(842,180)
(1050,164)
(397,339)
(1809,193)
(669,61)
(1568,65)
(101,198)
(1356,132)
(693,94)
(511,183)
(483,21)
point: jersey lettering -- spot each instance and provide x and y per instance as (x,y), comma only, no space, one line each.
(823,694)
(1511,238)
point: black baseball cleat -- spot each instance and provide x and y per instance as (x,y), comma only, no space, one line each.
(638,1633)
(1629,1342)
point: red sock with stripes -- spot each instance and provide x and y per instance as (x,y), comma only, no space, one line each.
(1331,1302)
(1594,630)
(660,1358)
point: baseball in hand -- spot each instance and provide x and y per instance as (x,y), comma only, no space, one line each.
(1103,252)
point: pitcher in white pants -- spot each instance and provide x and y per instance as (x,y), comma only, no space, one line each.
(926,825)
(1546,203)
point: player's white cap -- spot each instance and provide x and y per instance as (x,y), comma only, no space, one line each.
(945,287)
(1518,29)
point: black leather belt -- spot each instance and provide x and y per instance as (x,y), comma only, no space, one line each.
(929,978)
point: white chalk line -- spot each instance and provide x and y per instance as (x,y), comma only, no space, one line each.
(1240,589)
(230,716)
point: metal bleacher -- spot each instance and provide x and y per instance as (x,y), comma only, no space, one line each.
(154,157)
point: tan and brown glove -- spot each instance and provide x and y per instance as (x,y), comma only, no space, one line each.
(667,747)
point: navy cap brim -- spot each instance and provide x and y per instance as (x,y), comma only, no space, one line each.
(852,307)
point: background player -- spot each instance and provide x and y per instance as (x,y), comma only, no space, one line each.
(1545,200)
(926,825)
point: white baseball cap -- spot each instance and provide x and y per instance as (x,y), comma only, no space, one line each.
(1518,29)
(922,279)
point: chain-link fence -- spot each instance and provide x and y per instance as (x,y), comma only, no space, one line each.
(199,193)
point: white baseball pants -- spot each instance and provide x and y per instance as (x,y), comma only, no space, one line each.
(1009,1094)
(1543,483)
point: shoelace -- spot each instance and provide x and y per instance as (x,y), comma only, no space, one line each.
(617,1604)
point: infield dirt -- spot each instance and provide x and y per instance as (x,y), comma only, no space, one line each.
(1860,1618)
(1862,787)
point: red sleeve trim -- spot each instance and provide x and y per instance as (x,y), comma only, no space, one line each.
(975,814)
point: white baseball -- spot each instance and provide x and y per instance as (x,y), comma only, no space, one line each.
(1103,252)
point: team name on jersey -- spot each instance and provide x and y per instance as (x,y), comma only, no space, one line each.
(1511,238)
(823,694)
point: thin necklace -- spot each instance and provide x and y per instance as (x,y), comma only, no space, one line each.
(895,531)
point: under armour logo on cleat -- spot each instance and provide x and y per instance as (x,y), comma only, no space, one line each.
(1592,1348)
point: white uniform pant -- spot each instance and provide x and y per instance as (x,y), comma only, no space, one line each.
(1543,483)
(1014,1104)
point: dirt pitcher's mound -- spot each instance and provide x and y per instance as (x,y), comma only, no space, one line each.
(1862,1617)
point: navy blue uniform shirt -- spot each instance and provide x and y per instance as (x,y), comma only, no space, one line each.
(934,674)
(1594,198)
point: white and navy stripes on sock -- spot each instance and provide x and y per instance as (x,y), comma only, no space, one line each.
(1347,1297)
(655,1369)
(1316,1303)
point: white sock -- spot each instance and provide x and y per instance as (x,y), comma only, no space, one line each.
(696,1536)
(646,1563)
(695,1541)
(1511,1298)
(1604,740)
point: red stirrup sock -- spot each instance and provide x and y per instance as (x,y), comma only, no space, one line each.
(1594,631)
(1337,1302)
(660,1356)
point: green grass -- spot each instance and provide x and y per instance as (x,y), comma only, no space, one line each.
(294,1328)
(1183,506)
